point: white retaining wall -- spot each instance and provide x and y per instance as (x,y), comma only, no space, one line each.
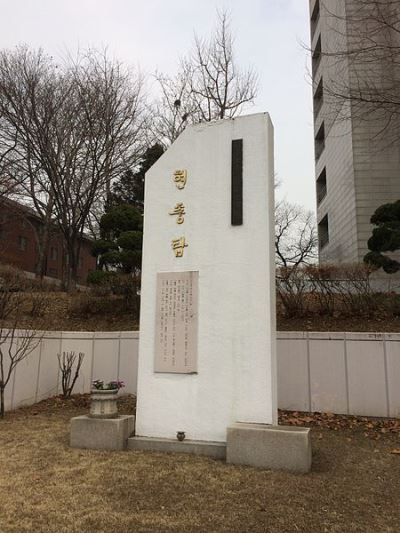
(108,355)
(350,373)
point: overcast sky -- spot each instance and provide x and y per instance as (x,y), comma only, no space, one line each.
(270,35)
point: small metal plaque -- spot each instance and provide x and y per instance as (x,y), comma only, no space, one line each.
(176,322)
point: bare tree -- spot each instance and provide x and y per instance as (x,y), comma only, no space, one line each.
(16,342)
(209,85)
(296,241)
(106,139)
(219,87)
(70,366)
(173,109)
(79,126)
(27,104)
(9,182)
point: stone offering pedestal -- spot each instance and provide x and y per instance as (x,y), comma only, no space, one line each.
(103,403)
(101,433)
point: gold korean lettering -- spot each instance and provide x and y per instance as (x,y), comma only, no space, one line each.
(180,177)
(178,246)
(179,210)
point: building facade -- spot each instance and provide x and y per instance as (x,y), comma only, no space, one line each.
(19,229)
(357,158)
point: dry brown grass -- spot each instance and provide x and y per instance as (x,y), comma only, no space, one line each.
(45,486)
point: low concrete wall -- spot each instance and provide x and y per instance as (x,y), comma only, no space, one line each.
(108,355)
(349,373)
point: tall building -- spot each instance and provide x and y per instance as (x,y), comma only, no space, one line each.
(357,155)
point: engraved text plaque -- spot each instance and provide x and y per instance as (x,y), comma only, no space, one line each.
(176,322)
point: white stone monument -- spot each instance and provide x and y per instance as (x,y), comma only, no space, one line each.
(207,358)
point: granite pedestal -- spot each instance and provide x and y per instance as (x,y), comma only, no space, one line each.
(101,434)
(270,447)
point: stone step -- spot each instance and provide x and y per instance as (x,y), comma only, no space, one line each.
(216,450)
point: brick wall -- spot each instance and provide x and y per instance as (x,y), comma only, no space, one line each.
(18,245)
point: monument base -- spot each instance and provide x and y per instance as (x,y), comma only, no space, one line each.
(101,433)
(216,450)
(269,447)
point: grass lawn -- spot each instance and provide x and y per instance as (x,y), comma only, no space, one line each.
(45,486)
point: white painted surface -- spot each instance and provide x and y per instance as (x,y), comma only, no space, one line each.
(392,351)
(128,359)
(327,370)
(104,364)
(366,396)
(48,377)
(236,336)
(293,378)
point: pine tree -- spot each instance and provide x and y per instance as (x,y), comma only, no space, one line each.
(129,189)
(385,237)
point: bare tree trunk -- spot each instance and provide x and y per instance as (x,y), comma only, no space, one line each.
(73,250)
(70,283)
(43,242)
(2,409)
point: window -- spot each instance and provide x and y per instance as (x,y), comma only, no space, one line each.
(53,272)
(320,142)
(316,56)
(321,186)
(23,243)
(53,254)
(318,98)
(314,18)
(323,232)
(2,233)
